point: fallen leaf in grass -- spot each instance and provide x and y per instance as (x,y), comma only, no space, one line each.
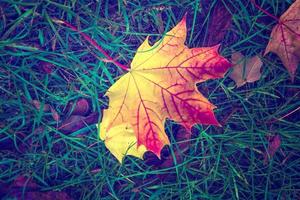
(81,107)
(46,67)
(161,84)
(220,22)
(274,144)
(55,115)
(37,104)
(245,70)
(285,38)
(22,181)
(24,188)
(77,122)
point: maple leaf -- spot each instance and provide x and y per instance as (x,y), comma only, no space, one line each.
(245,70)
(161,84)
(285,38)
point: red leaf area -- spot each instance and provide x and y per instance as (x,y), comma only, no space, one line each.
(162,84)
(178,102)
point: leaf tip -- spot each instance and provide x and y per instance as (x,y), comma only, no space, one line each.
(267,50)
(184,17)
(217,47)
(183,20)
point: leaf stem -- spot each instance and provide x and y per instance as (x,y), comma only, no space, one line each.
(92,42)
(264,11)
(280,23)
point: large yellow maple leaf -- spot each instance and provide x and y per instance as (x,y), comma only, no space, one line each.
(160,84)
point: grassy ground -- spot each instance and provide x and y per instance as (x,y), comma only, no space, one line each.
(53,65)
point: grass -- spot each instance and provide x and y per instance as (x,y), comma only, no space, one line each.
(221,163)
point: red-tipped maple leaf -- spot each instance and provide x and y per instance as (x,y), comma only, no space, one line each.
(161,84)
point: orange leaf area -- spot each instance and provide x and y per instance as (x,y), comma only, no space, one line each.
(161,84)
(285,38)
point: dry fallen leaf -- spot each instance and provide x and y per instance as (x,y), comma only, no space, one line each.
(274,144)
(46,108)
(37,104)
(81,107)
(77,122)
(219,23)
(54,113)
(159,85)
(24,188)
(46,67)
(285,38)
(245,70)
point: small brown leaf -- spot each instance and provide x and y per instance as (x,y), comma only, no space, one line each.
(274,144)
(37,105)
(81,107)
(245,70)
(46,108)
(55,115)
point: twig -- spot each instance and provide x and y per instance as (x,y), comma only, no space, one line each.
(92,42)
(274,17)
(263,10)
(281,118)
